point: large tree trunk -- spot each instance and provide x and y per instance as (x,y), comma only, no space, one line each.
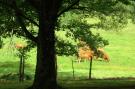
(46,73)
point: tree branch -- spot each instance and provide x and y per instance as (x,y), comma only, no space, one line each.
(28,34)
(68,8)
(80,8)
(17,14)
(27,18)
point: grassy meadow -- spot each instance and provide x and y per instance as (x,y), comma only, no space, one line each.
(121,50)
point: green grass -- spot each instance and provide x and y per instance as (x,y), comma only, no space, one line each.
(122,62)
(121,51)
(14,85)
(78,84)
(97,83)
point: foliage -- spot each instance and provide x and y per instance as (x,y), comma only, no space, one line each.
(65,47)
(76,28)
(22,52)
(114,23)
(113,15)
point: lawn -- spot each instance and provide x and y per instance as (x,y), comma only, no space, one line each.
(78,84)
(121,50)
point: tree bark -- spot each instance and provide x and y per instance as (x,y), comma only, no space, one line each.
(73,69)
(20,69)
(46,73)
(90,68)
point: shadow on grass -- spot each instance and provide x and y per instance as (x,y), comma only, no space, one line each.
(68,82)
(79,84)
(114,83)
(82,82)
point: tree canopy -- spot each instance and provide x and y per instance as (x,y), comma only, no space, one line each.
(112,14)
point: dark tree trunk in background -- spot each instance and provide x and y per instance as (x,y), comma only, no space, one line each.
(46,73)
(90,68)
(20,68)
(73,69)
